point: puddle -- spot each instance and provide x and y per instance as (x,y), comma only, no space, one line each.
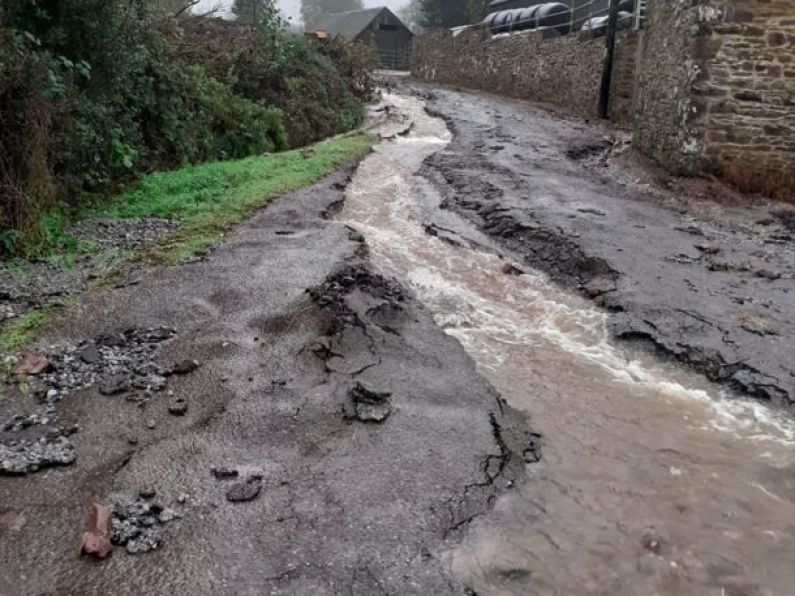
(653,480)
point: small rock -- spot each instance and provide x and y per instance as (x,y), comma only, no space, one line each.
(709,249)
(111,340)
(114,384)
(178,407)
(246,490)
(142,544)
(767,274)
(147,493)
(185,367)
(52,434)
(756,325)
(223,472)
(168,515)
(368,405)
(151,424)
(151,382)
(90,354)
(181,498)
(651,541)
(592,211)
(599,285)
(511,269)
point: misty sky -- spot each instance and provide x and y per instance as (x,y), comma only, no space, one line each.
(292,8)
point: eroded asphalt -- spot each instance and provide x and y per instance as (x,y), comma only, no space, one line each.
(370,436)
(279,418)
(708,284)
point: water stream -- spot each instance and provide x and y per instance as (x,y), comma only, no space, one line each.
(652,481)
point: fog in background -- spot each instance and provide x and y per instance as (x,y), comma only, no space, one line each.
(292,8)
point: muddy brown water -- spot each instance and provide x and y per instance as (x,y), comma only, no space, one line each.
(653,481)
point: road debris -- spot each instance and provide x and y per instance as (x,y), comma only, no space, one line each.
(222,473)
(178,406)
(184,367)
(137,525)
(96,541)
(511,269)
(26,456)
(245,490)
(708,249)
(30,363)
(368,405)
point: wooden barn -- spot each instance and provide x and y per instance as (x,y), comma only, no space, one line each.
(379,26)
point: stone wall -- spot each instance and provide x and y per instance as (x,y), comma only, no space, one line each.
(716,90)
(709,86)
(666,127)
(564,71)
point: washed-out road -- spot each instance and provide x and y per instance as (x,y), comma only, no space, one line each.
(472,364)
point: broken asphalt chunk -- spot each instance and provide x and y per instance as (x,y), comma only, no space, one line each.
(767,274)
(178,406)
(599,285)
(511,269)
(246,490)
(24,457)
(223,472)
(114,384)
(90,354)
(184,367)
(96,541)
(709,249)
(368,405)
(136,525)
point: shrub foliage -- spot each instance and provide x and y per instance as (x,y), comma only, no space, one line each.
(94,93)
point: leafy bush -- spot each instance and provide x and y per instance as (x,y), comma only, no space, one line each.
(320,85)
(94,93)
(316,100)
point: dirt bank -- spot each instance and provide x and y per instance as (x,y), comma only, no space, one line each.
(331,439)
(710,284)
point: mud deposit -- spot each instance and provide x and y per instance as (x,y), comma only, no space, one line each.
(653,480)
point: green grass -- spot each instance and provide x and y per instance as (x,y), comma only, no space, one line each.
(21,331)
(207,199)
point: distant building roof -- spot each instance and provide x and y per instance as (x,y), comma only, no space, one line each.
(352,23)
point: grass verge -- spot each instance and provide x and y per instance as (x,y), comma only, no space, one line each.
(207,199)
(21,331)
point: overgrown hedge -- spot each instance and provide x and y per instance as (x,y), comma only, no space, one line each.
(94,93)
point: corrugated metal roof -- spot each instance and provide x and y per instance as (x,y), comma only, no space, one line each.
(350,24)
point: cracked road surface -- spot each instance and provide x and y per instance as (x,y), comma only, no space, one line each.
(711,285)
(375,369)
(285,319)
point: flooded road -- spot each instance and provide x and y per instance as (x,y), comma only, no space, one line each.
(652,481)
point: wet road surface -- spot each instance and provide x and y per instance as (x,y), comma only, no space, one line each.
(653,480)
(295,339)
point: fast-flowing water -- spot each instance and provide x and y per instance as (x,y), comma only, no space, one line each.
(652,481)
